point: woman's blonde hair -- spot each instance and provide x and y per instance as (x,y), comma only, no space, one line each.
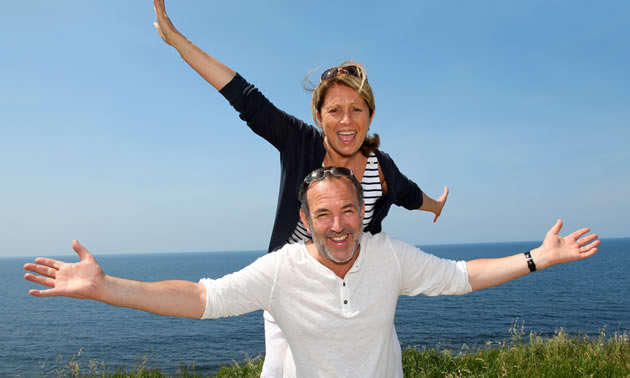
(355,78)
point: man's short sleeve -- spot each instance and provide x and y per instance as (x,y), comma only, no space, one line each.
(423,273)
(241,292)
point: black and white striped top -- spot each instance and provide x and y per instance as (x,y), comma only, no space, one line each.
(372,191)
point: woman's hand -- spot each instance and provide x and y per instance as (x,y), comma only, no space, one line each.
(440,202)
(213,71)
(165,27)
(434,206)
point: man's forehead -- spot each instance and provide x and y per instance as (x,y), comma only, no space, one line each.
(331,189)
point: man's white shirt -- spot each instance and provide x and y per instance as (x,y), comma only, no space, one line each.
(337,327)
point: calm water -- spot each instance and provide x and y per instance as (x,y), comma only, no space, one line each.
(40,335)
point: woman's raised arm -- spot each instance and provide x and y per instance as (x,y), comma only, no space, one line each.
(213,71)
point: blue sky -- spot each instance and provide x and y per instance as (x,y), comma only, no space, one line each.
(108,137)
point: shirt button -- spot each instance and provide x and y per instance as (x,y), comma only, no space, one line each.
(345,301)
(344,284)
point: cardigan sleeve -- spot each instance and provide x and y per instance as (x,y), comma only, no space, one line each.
(261,115)
(401,190)
(300,145)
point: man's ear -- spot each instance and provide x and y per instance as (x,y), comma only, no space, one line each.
(305,221)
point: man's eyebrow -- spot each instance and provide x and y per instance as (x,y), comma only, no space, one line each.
(320,210)
(349,204)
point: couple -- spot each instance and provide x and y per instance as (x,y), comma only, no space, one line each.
(322,302)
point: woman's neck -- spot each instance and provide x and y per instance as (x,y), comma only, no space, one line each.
(355,162)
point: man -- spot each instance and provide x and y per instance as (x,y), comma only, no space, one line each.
(334,297)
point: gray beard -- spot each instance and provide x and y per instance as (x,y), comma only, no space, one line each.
(321,246)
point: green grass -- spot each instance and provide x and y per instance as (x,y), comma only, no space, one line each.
(523,356)
(558,356)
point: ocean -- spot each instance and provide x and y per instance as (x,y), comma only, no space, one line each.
(39,336)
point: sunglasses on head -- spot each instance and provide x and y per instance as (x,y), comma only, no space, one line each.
(320,173)
(333,72)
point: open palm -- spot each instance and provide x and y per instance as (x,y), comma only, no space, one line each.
(78,280)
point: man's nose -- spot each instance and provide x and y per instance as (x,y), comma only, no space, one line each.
(337,224)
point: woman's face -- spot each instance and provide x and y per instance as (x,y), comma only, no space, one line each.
(345,119)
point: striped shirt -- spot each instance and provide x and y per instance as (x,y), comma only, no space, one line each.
(372,191)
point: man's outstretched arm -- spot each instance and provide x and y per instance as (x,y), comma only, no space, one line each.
(555,249)
(86,280)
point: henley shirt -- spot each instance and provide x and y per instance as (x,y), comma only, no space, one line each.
(337,327)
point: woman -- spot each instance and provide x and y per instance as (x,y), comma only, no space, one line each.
(343,106)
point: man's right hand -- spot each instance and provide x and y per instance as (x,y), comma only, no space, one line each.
(84,279)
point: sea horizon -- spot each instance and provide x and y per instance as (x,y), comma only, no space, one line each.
(425,247)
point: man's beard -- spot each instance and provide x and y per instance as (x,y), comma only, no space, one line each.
(321,244)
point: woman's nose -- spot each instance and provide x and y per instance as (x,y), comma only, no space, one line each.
(345,118)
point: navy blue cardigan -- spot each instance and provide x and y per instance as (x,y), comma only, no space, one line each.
(302,150)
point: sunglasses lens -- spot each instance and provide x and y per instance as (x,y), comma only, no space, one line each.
(333,72)
(351,70)
(340,171)
(329,73)
(315,176)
